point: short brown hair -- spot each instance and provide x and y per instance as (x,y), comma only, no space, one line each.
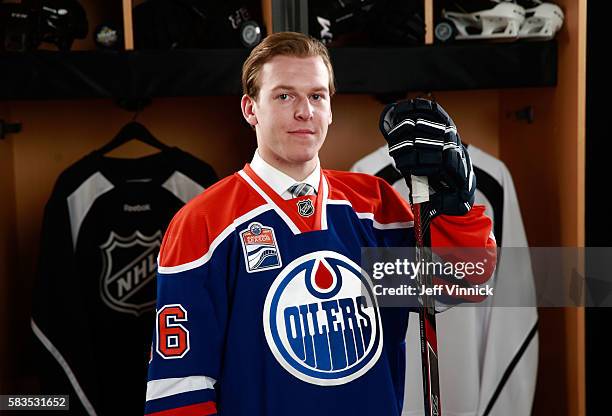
(282,43)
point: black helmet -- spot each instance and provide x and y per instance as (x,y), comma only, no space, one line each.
(62,21)
(23,26)
(18,27)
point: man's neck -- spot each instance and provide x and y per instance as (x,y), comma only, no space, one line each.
(299,172)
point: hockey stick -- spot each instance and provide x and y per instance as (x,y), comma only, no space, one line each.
(427,317)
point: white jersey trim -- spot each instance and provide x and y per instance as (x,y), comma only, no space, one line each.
(325,189)
(370,216)
(82,199)
(294,229)
(62,362)
(157,389)
(218,240)
(182,186)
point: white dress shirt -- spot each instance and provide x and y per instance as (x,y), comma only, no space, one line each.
(281,182)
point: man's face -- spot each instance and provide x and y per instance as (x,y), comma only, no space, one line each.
(292,112)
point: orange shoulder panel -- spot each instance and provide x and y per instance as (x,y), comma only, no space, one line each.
(369,194)
(204,218)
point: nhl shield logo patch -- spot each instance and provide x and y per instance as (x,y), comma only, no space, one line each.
(305,208)
(260,248)
(127,283)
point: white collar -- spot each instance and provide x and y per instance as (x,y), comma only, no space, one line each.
(280,181)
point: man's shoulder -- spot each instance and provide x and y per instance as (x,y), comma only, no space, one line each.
(355,184)
(229,196)
(368,194)
(350,176)
(207,218)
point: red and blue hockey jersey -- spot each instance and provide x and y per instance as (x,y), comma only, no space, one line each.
(260,306)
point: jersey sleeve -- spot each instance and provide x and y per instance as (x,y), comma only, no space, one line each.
(468,243)
(456,239)
(474,229)
(191,317)
(471,235)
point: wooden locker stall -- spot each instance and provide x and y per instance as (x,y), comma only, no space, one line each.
(545,157)
(547,160)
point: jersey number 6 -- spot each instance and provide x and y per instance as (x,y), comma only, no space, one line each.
(172,337)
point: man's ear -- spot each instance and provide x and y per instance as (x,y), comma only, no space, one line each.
(248,110)
(330,117)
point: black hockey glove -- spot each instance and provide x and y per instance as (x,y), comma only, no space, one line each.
(423,141)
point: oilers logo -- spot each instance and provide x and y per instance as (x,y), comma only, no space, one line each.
(259,248)
(321,319)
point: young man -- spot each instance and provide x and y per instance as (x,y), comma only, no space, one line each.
(260,303)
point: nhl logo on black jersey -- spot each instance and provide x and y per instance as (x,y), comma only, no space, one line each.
(260,248)
(321,319)
(305,208)
(127,283)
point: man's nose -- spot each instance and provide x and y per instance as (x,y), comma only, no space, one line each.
(303,109)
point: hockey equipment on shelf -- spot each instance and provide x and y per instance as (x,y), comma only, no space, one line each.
(354,22)
(235,24)
(542,20)
(108,36)
(166,24)
(484,19)
(179,24)
(398,22)
(331,21)
(250,33)
(18,27)
(24,26)
(62,21)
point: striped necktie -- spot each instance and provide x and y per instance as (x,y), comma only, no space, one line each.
(301,189)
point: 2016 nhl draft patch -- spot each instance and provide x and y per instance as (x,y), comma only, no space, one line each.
(260,248)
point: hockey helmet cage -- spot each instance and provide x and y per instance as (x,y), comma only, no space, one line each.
(542,21)
(480,20)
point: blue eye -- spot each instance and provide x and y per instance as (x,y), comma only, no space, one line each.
(283,97)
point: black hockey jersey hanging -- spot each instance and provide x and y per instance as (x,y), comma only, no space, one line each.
(94,301)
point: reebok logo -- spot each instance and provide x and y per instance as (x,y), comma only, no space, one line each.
(136,208)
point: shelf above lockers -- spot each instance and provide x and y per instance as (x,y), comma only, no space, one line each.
(188,73)
(460,66)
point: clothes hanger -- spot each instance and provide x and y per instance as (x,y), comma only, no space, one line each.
(133,130)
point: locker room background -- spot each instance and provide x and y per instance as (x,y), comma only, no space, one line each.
(546,158)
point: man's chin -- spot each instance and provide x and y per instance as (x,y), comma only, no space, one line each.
(302,155)
(301,160)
